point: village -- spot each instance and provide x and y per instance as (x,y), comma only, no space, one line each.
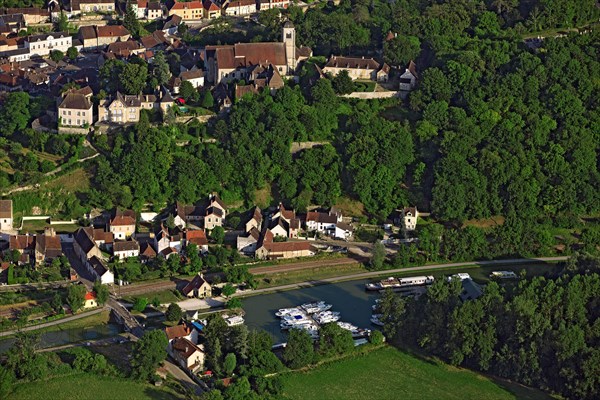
(66,67)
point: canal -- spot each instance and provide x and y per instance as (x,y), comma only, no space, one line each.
(71,335)
(349,298)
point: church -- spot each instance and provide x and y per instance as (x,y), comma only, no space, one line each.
(236,62)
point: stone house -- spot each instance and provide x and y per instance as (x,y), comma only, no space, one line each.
(283,250)
(154,11)
(94,36)
(255,221)
(324,222)
(123,249)
(358,68)
(42,44)
(247,244)
(92,6)
(188,355)
(239,7)
(198,287)
(76,108)
(408,218)
(122,224)
(182,331)
(210,10)
(285,220)
(408,80)
(84,245)
(100,271)
(269,4)
(195,77)
(197,237)
(6,215)
(188,11)
(140,7)
(24,245)
(47,246)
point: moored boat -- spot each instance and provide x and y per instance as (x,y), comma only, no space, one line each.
(319,306)
(375,320)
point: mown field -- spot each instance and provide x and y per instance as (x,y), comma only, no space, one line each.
(90,387)
(388,373)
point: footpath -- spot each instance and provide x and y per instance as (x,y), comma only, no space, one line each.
(374,274)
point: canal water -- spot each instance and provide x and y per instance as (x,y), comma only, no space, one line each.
(66,336)
(349,298)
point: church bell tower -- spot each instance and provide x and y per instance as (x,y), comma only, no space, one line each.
(289,40)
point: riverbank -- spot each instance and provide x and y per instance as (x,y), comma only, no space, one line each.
(376,376)
(62,321)
(390,272)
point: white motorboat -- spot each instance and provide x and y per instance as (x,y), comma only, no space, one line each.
(375,320)
(460,276)
(347,326)
(234,321)
(504,275)
(325,317)
(312,329)
(319,306)
(286,311)
(296,319)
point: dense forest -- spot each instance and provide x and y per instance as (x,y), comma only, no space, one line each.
(494,127)
(542,332)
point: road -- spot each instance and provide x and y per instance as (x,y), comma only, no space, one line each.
(52,323)
(181,376)
(375,274)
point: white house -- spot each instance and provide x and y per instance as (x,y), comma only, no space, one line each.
(6,215)
(125,249)
(343,231)
(122,225)
(98,268)
(195,77)
(187,354)
(42,44)
(322,222)
(408,80)
(182,331)
(140,8)
(247,244)
(409,216)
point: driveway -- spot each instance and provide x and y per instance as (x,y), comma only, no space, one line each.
(182,377)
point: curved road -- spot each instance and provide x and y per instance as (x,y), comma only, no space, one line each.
(375,274)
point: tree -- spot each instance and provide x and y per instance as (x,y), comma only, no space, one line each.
(76,297)
(140,304)
(229,364)
(57,55)
(234,303)
(218,234)
(72,53)
(160,68)
(133,76)
(174,312)
(7,378)
(401,50)
(342,83)
(62,23)
(228,290)
(207,100)
(14,113)
(148,353)
(378,256)
(376,337)
(188,91)
(131,23)
(101,291)
(194,260)
(213,394)
(333,339)
(299,351)
(22,359)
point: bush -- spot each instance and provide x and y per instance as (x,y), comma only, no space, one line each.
(376,337)
(140,304)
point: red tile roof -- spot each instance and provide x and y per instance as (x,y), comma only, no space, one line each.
(197,237)
(112,31)
(177,331)
(90,296)
(180,5)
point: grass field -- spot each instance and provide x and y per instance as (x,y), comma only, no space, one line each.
(388,373)
(92,387)
(101,318)
(316,273)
